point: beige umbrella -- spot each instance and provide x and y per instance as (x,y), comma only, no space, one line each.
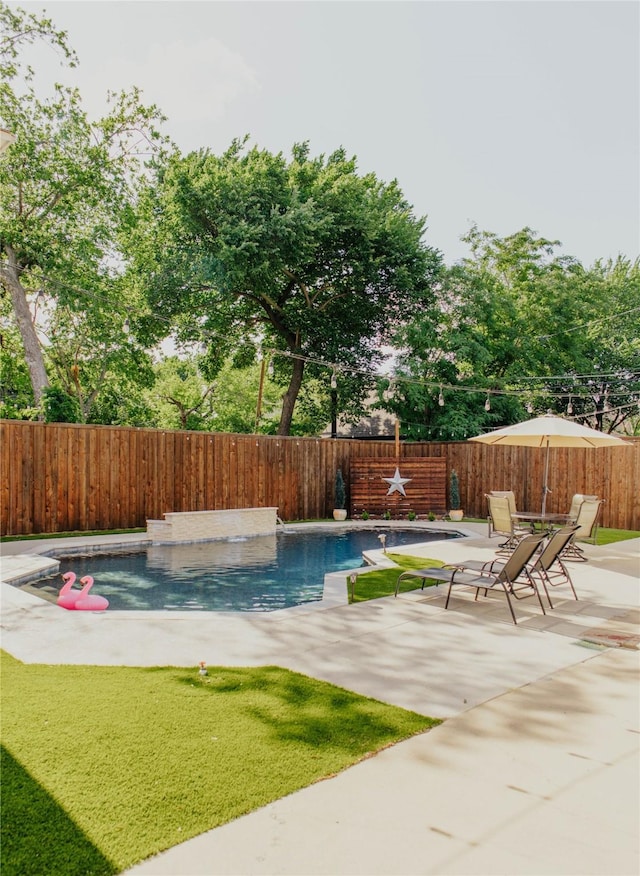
(549,431)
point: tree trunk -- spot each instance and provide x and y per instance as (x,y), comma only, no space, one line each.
(32,348)
(334,413)
(290,396)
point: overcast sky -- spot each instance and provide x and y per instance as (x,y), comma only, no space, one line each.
(502,114)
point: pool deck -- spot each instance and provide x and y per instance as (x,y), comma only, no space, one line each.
(534,771)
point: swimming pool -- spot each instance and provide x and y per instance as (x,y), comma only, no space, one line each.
(257,574)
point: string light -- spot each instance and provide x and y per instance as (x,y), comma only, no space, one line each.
(334,379)
(270,368)
(393,379)
(585,392)
(627,374)
(583,325)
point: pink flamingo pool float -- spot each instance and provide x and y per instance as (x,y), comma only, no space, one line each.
(79,600)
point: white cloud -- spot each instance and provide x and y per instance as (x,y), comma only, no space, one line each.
(192,81)
(189,81)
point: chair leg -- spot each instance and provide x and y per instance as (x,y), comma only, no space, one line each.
(574,554)
(567,579)
(544,578)
(505,587)
(535,587)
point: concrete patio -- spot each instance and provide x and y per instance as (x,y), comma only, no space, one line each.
(534,771)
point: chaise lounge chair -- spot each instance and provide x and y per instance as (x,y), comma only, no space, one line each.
(547,564)
(513,576)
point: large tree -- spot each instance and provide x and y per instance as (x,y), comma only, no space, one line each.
(305,256)
(528,330)
(63,185)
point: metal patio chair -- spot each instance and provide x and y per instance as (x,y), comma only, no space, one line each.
(587,529)
(576,502)
(501,522)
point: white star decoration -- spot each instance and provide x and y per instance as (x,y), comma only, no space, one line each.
(396,483)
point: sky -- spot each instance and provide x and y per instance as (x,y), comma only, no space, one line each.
(503,114)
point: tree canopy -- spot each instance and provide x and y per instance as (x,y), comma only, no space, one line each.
(64,184)
(305,257)
(518,329)
(111,241)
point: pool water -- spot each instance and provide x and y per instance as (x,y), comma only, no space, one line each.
(258,574)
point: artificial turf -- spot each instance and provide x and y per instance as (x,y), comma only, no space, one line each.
(104,766)
(382,582)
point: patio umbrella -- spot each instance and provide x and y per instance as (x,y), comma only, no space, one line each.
(549,431)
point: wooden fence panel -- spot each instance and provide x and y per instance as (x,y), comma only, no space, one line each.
(63,477)
(425,491)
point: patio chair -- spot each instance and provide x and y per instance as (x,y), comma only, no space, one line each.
(509,495)
(586,529)
(547,564)
(502,523)
(576,502)
(513,576)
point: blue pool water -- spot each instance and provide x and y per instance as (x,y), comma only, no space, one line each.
(262,573)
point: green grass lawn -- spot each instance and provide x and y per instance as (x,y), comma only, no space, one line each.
(382,582)
(608,536)
(104,766)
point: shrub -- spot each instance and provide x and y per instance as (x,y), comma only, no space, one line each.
(454,491)
(340,496)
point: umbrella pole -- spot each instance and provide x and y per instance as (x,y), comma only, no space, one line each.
(545,487)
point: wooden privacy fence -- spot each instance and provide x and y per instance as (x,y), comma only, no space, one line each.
(67,477)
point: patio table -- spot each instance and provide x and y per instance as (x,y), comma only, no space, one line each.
(543,520)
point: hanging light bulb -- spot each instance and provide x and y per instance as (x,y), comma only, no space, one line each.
(126,327)
(569,406)
(441,398)
(487,404)
(529,408)
(270,368)
(334,380)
